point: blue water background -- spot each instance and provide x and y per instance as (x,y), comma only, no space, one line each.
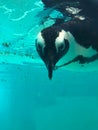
(28,99)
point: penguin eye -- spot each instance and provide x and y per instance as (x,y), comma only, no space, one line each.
(39,47)
(61,47)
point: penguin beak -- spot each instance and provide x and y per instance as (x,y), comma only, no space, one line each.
(50,63)
(50,67)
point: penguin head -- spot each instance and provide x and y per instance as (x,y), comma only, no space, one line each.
(52,44)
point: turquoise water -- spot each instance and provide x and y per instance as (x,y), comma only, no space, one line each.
(28,99)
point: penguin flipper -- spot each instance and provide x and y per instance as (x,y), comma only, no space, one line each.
(81,59)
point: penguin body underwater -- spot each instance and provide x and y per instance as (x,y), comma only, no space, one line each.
(74,41)
(69,42)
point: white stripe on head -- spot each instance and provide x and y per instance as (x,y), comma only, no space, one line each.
(40,41)
(60,39)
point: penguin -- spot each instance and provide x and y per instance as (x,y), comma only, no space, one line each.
(54,3)
(60,6)
(87,8)
(73,41)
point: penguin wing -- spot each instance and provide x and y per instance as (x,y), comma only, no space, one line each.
(80,63)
